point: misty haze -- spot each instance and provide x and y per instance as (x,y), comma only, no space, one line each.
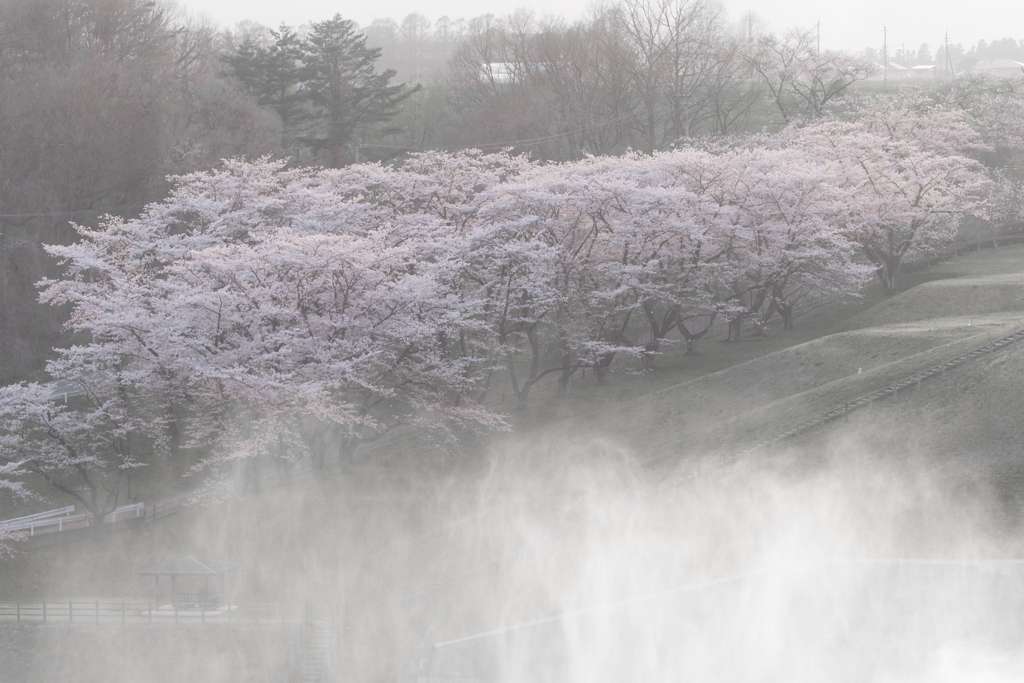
(653,344)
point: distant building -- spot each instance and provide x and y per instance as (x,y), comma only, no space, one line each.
(894,72)
(999,68)
(498,72)
(923,71)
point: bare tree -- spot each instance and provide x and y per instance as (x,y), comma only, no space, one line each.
(798,78)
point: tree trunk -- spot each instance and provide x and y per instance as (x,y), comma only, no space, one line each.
(691,347)
(786,310)
(735,328)
(888,277)
(284,472)
(569,366)
(347,446)
(521,397)
(650,349)
(173,438)
(251,475)
(603,367)
(523,394)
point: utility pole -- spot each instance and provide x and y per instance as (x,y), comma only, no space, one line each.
(949,60)
(750,40)
(885,57)
(686,109)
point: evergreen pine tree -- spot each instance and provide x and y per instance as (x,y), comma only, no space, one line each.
(274,75)
(348,97)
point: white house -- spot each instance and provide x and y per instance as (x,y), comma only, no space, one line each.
(894,72)
(923,71)
(1000,68)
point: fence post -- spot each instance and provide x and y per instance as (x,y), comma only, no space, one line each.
(97,611)
(122,611)
(71,612)
(19,611)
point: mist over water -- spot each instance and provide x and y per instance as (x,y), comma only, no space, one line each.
(560,558)
(839,566)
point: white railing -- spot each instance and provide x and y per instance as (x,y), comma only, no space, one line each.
(61,519)
(29,522)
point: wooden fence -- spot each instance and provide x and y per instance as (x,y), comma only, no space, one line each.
(137,612)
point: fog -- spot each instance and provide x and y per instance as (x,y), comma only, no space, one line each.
(844,27)
(850,569)
(553,558)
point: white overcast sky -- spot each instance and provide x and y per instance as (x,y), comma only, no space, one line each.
(845,24)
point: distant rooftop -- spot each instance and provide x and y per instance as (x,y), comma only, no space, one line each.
(987,64)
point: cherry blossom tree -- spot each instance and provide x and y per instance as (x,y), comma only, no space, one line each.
(672,234)
(995,109)
(82,448)
(789,201)
(270,296)
(276,312)
(14,491)
(906,181)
